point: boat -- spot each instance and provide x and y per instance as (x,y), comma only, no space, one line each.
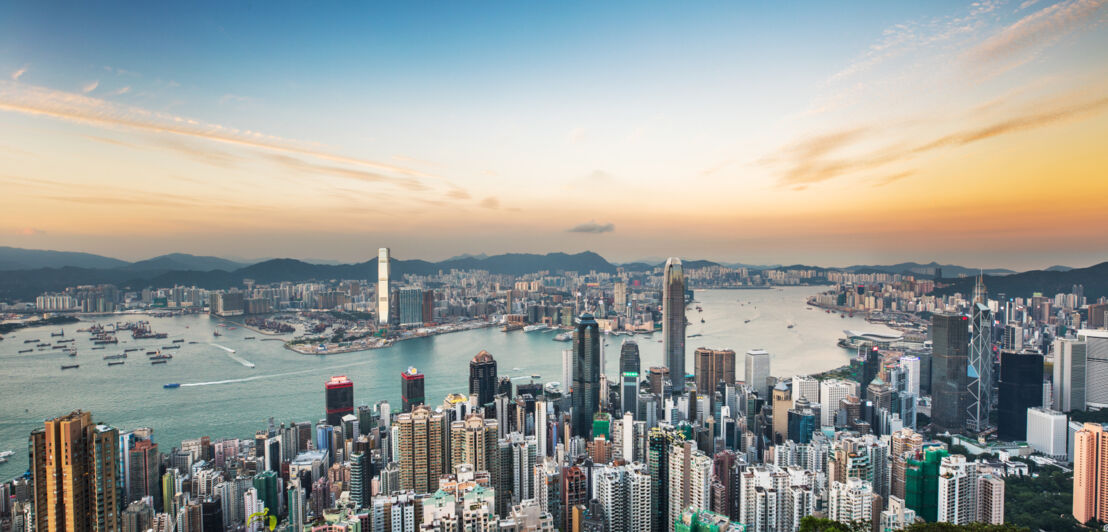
(151,352)
(791,326)
(115,357)
(72,353)
(747,321)
(182,340)
(71,366)
(43,345)
(30,341)
(535,327)
(248,338)
(98,347)
(171,385)
(701,320)
(157,362)
(536,377)
(694,335)
(563,337)
(216,333)
(6,454)
(171,347)
(161,357)
(116,363)
(131,349)
(26,351)
(3,460)
(59,333)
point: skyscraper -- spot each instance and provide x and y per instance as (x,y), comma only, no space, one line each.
(340,399)
(713,366)
(980,364)
(420,446)
(1021,388)
(673,322)
(1069,375)
(143,461)
(1090,473)
(629,357)
(74,465)
(1096,367)
(482,377)
(949,371)
(411,389)
(757,371)
(411,307)
(586,374)
(384,269)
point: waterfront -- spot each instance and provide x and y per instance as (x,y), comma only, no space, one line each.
(221,397)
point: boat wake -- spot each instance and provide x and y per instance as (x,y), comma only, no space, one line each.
(275,375)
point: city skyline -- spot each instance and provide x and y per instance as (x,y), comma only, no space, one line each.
(809,134)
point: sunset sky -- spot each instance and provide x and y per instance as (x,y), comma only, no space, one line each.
(819,133)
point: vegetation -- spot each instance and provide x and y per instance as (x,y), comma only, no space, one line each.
(1090,416)
(1044,502)
(816,524)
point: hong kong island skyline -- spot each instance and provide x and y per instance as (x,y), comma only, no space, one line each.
(811,133)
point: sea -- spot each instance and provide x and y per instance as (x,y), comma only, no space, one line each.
(222,397)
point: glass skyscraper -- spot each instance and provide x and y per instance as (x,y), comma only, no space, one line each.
(586,374)
(673,322)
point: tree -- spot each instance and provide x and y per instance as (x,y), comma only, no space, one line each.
(815,524)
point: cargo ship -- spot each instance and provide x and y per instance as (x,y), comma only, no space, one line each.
(182,340)
(115,357)
(116,363)
(128,350)
(26,351)
(161,357)
(71,366)
(157,362)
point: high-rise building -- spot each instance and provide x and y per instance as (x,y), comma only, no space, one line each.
(980,364)
(1096,366)
(851,501)
(1021,388)
(411,307)
(473,441)
(411,389)
(673,322)
(586,374)
(921,483)
(384,270)
(143,472)
(340,399)
(74,468)
(619,297)
(1069,375)
(1046,432)
(629,357)
(782,403)
(689,480)
(482,377)
(806,387)
(910,365)
(949,371)
(624,492)
(967,495)
(1090,473)
(757,372)
(713,366)
(831,393)
(420,448)
(629,392)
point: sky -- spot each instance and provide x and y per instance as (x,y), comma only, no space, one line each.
(766,133)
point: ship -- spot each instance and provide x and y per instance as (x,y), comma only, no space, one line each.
(151,352)
(157,362)
(248,338)
(6,454)
(171,385)
(116,363)
(71,366)
(563,337)
(26,351)
(59,333)
(43,345)
(747,321)
(30,341)
(182,340)
(216,333)
(161,357)
(171,347)
(128,350)
(98,347)
(536,327)
(115,357)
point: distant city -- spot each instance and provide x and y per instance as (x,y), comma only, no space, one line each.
(973,410)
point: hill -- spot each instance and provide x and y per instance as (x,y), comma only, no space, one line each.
(1094,279)
(27,259)
(184,262)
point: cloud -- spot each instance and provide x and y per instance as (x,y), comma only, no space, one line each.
(31,231)
(490,202)
(233,98)
(1026,4)
(91,86)
(893,178)
(1019,123)
(458,194)
(592,227)
(1042,26)
(121,91)
(19,73)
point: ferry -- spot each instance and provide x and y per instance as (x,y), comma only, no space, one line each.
(116,363)
(6,454)
(563,337)
(535,327)
(171,385)
(71,366)
(157,362)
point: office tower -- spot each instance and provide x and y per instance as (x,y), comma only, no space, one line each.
(384,269)
(1021,388)
(757,371)
(689,480)
(420,445)
(807,387)
(473,441)
(1098,315)
(673,322)
(624,493)
(980,365)
(411,307)
(1069,374)
(629,357)
(586,374)
(629,392)
(851,501)
(713,366)
(143,473)
(831,393)
(573,491)
(1013,336)
(1090,473)
(871,365)
(910,365)
(138,517)
(267,486)
(801,421)
(1096,367)
(542,427)
(1046,431)
(411,389)
(482,377)
(340,399)
(74,468)
(659,375)
(361,480)
(567,371)
(949,367)
(782,402)
(297,503)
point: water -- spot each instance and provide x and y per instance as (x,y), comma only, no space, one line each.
(221,397)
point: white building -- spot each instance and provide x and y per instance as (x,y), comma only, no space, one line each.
(910,366)
(690,480)
(757,371)
(957,490)
(832,391)
(1046,431)
(898,515)
(384,270)
(1096,366)
(807,387)
(624,492)
(850,501)
(1069,375)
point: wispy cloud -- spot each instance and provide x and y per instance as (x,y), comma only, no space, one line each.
(491,202)
(1026,4)
(1042,26)
(90,86)
(592,227)
(19,73)
(893,178)
(227,98)
(30,231)
(121,91)
(458,194)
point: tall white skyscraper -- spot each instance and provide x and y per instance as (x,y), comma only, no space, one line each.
(567,370)
(673,322)
(910,366)
(757,371)
(384,269)
(957,490)
(807,387)
(832,391)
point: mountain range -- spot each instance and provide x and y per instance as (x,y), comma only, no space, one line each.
(27,273)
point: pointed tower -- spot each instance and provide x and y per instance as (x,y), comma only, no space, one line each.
(980,294)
